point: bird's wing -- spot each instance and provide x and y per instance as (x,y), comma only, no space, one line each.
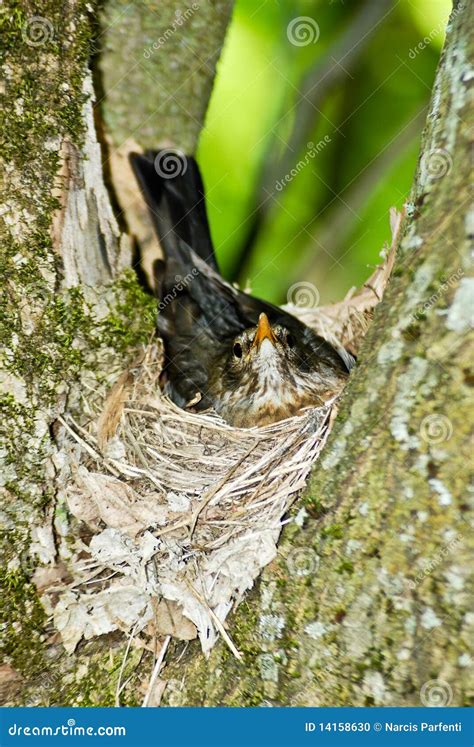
(198,317)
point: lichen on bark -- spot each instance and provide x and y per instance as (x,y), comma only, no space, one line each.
(56,334)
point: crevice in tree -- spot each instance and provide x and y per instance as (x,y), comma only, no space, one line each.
(101,133)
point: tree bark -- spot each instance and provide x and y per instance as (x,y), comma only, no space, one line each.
(368,602)
(73,311)
(158,63)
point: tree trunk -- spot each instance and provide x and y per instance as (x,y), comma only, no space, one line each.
(73,310)
(367,603)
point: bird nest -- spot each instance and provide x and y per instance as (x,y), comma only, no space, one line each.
(178,511)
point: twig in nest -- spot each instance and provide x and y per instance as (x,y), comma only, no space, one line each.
(122,666)
(216,621)
(207,498)
(94,454)
(156,670)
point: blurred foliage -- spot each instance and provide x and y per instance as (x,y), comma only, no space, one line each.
(329,223)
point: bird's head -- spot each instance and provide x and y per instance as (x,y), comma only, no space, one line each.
(269,374)
(262,351)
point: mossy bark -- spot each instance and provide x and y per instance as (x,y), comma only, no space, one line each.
(157,65)
(72,314)
(368,601)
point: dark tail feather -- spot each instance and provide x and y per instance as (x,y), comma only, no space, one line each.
(174,192)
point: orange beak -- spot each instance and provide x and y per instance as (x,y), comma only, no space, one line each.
(264,331)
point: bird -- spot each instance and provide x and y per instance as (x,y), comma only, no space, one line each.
(252,362)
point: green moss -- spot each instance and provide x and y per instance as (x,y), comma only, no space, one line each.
(66,339)
(54,355)
(133,320)
(345,567)
(376,659)
(22,620)
(97,687)
(66,47)
(335,531)
(314,505)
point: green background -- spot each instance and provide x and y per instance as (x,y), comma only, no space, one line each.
(329,224)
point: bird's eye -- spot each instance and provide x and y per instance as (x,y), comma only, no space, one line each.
(289,340)
(237,350)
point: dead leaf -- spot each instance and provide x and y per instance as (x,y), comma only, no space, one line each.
(44,578)
(96,496)
(169,620)
(42,543)
(89,615)
(113,408)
